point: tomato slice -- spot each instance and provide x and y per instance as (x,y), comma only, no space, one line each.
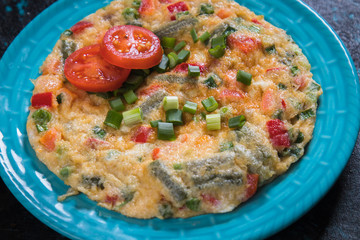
(87,70)
(131,47)
(80,26)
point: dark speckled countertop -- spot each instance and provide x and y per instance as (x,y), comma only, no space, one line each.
(336,216)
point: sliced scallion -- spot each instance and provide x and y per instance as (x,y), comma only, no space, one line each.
(67,32)
(193,71)
(177,166)
(271,49)
(194,35)
(174,116)
(210,104)
(190,107)
(213,121)
(154,124)
(179,46)
(229,30)
(166,131)
(113,119)
(217,52)
(133,116)
(218,41)
(117,104)
(173,59)
(237,122)
(41,118)
(307,114)
(130,14)
(168,42)
(282,86)
(244,77)
(294,70)
(204,37)
(170,102)
(98,131)
(206,8)
(130,97)
(163,65)
(193,204)
(183,56)
(136,4)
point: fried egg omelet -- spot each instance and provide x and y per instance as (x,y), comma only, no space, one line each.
(231,106)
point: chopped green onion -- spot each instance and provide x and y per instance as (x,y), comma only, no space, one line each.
(130,97)
(229,30)
(65,172)
(104,95)
(194,35)
(135,79)
(218,41)
(217,52)
(237,122)
(166,131)
(210,82)
(140,72)
(203,115)
(67,32)
(130,14)
(213,121)
(193,204)
(179,46)
(294,70)
(59,98)
(168,42)
(244,77)
(271,49)
(179,15)
(278,114)
(193,71)
(173,58)
(183,56)
(282,86)
(133,116)
(171,102)
(117,104)
(136,4)
(307,114)
(154,124)
(226,146)
(174,116)
(210,104)
(205,36)
(224,110)
(300,138)
(113,119)
(206,8)
(163,65)
(190,107)
(177,166)
(99,131)
(41,118)
(165,210)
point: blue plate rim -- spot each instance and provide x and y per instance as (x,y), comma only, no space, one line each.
(73,234)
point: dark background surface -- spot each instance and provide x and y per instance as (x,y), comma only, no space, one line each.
(336,216)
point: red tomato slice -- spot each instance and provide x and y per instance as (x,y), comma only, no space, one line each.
(131,47)
(87,70)
(80,26)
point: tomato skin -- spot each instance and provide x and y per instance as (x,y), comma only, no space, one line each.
(278,133)
(80,26)
(141,134)
(131,47)
(87,70)
(42,100)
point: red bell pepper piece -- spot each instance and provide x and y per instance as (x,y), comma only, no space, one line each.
(49,139)
(176,8)
(232,95)
(42,100)
(183,67)
(147,7)
(252,182)
(80,26)
(112,199)
(278,133)
(210,199)
(244,43)
(155,153)
(141,134)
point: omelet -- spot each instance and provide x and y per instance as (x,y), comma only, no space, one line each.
(230,107)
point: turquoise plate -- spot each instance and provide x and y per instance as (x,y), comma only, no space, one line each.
(274,207)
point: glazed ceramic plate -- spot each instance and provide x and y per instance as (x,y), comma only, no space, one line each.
(274,207)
